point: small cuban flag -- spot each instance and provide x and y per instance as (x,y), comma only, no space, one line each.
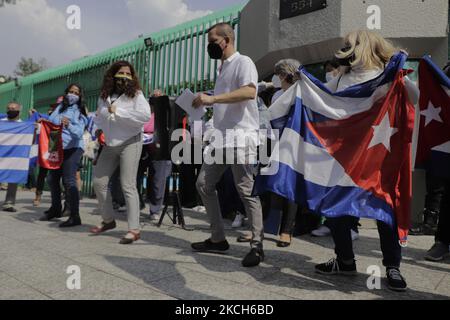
(16,139)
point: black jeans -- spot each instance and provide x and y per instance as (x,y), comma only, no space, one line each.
(68,172)
(229,198)
(443,231)
(435,192)
(288,213)
(341,232)
(41,180)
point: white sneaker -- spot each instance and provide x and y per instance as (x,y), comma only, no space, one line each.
(238,221)
(122,209)
(355,235)
(200,209)
(155,217)
(322,231)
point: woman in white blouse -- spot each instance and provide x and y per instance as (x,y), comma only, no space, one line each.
(121,115)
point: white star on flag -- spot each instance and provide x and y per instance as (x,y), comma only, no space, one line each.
(431,114)
(383,133)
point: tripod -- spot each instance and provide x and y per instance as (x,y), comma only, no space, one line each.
(173,198)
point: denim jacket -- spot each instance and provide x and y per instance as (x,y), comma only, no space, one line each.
(72,135)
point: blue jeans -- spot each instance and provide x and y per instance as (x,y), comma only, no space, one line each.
(68,172)
(341,231)
(159,172)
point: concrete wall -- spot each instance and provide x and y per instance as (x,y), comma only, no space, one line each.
(419,26)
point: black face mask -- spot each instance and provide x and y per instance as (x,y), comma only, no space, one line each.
(215,51)
(13,114)
(122,85)
(347,62)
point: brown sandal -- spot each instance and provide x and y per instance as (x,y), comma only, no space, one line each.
(105,227)
(136,237)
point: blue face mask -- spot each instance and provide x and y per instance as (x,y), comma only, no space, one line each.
(72,99)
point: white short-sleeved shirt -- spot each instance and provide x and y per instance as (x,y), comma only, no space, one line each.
(236,72)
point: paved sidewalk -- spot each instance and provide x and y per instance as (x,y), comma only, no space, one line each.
(34,257)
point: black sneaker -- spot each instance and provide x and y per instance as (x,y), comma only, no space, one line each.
(417,231)
(396,282)
(209,246)
(50,214)
(10,209)
(334,266)
(254,258)
(423,230)
(72,222)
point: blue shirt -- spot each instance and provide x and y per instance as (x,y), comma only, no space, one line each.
(72,135)
(36,116)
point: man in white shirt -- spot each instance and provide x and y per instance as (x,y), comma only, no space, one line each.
(235,116)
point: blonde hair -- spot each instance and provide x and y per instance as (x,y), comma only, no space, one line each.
(370,50)
(287,68)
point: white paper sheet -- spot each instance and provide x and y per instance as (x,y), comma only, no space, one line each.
(185,102)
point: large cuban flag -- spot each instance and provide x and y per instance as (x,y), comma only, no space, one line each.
(16,139)
(434,133)
(345,153)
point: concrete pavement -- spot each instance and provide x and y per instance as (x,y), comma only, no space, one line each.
(35,256)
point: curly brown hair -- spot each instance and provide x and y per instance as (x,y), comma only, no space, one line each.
(108,80)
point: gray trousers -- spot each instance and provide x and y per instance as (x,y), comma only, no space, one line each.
(243,177)
(127,156)
(10,195)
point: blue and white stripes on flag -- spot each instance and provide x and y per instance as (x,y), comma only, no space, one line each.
(91,127)
(16,139)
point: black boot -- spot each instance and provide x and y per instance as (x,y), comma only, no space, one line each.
(254,258)
(51,214)
(72,222)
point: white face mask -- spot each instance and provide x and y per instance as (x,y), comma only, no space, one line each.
(276,81)
(329,76)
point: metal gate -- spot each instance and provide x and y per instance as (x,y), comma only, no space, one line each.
(176,59)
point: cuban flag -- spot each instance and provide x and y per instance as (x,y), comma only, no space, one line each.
(345,153)
(434,132)
(16,139)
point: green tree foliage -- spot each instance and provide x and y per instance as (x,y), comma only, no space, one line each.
(27,66)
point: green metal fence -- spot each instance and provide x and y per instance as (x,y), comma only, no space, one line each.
(176,60)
